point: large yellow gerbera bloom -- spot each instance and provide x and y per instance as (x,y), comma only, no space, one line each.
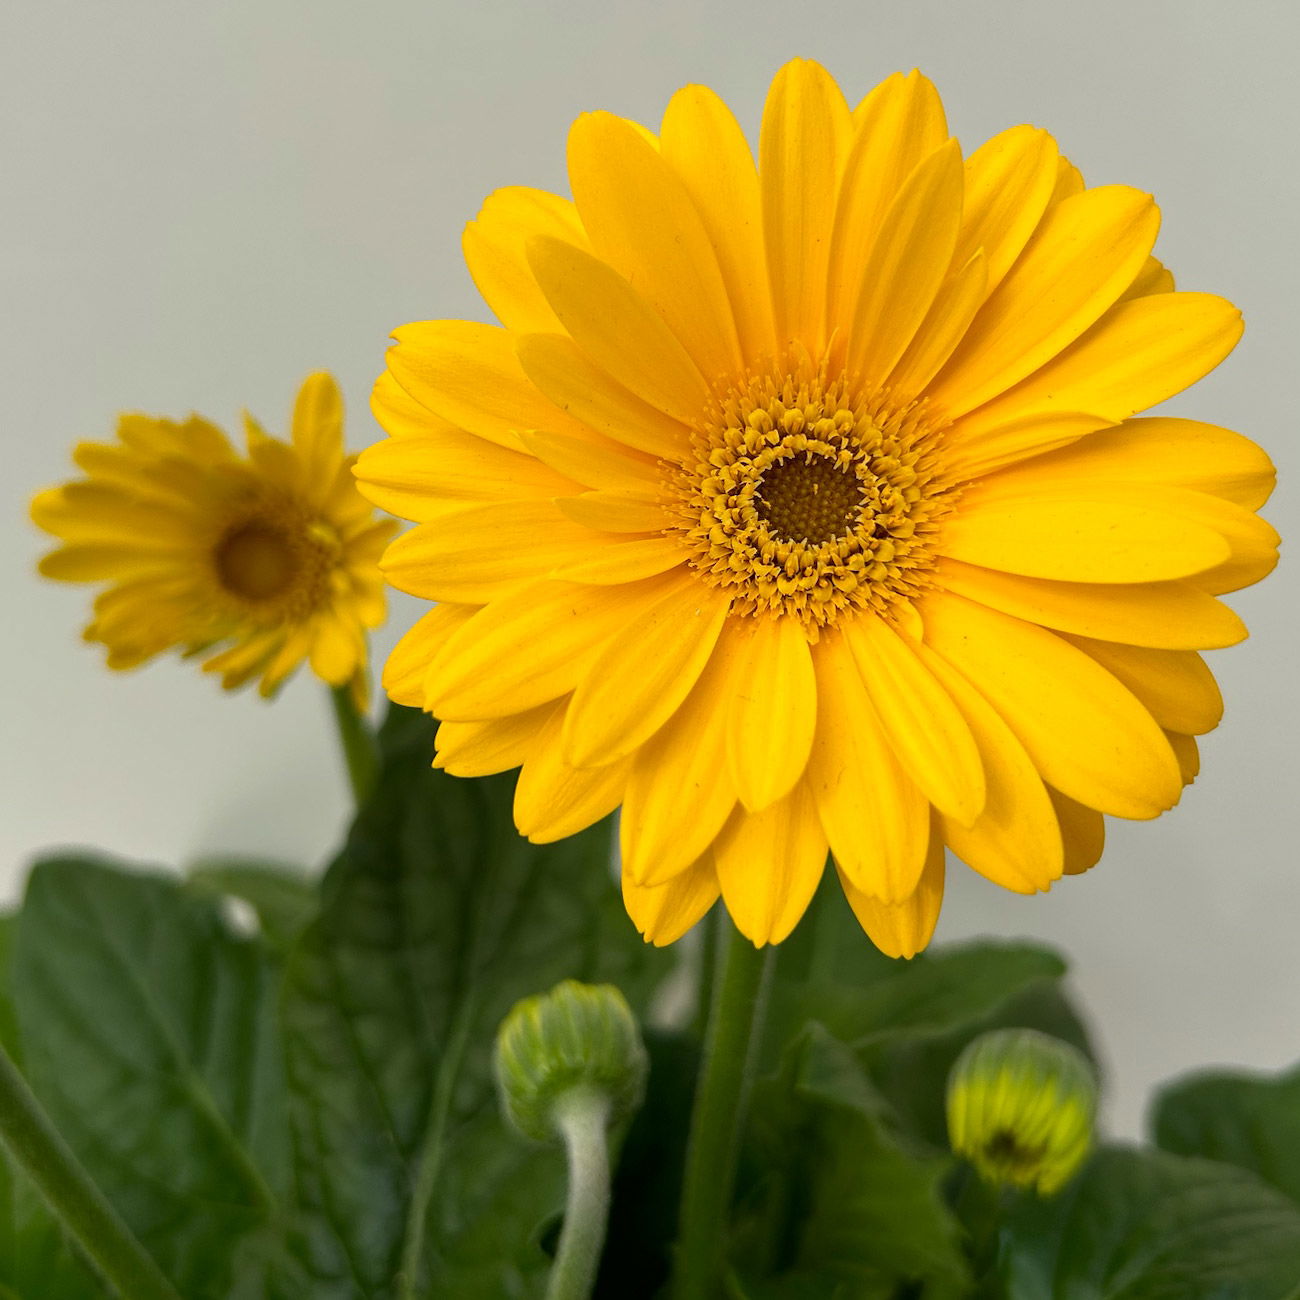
(264,560)
(803,507)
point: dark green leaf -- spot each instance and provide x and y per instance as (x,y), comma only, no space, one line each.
(836,1190)
(643,1218)
(8,1017)
(1142,1225)
(1252,1121)
(437,918)
(283,898)
(148,1033)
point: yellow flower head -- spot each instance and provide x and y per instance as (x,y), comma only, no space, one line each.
(1021,1107)
(263,560)
(800,506)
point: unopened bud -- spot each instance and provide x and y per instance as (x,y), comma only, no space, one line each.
(577,1036)
(1021,1107)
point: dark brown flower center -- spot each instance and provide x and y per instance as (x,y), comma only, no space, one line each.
(809,498)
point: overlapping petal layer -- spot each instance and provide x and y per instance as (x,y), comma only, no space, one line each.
(801,505)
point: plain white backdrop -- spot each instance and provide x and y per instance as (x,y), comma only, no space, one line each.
(201,203)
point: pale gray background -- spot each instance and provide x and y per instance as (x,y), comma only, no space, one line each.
(200,203)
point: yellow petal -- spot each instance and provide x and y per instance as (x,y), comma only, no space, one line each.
(494,745)
(105,513)
(408,664)
(561,371)
(975,447)
(1105,534)
(773,712)
(663,913)
(422,476)
(925,728)
(644,673)
(904,928)
(617,512)
(908,262)
(680,793)
(1188,754)
(596,462)
(553,799)
(530,646)
(1166,615)
(1009,180)
(96,561)
(338,650)
(641,220)
(468,374)
(1080,259)
(804,137)
(897,125)
(494,246)
(1154,277)
(475,555)
(1087,734)
(318,432)
(1176,686)
(703,142)
(875,817)
(1161,449)
(1015,842)
(1083,832)
(1138,354)
(944,326)
(625,561)
(400,415)
(618,329)
(769,864)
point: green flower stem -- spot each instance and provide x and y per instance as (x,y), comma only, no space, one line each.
(37,1146)
(582,1116)
(718,1116)
(360,749)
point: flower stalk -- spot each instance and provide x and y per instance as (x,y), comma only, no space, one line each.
(357,740)
(582,1117)
(718,1116)
(37,1146)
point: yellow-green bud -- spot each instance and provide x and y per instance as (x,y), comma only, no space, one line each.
(1021,1107)
(577,1036)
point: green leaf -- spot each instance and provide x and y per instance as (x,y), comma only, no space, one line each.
(283,898)
(148,1034)
(1142,1225)
(1252,1121)
(437,918)
(831,973)
(838,1191)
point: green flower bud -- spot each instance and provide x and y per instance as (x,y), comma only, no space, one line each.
(1021,1107)
(576,1037)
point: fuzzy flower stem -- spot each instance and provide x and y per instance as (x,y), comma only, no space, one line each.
(36,1145)
(717,1120)
(582,1118)
(357,739)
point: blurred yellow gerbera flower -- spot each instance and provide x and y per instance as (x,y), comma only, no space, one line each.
(263,560)
(802,506)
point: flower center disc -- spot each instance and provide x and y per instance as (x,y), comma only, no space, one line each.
(256,561)
(808,498)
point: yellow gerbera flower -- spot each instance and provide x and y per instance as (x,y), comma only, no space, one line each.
(266,560)
(802,506)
